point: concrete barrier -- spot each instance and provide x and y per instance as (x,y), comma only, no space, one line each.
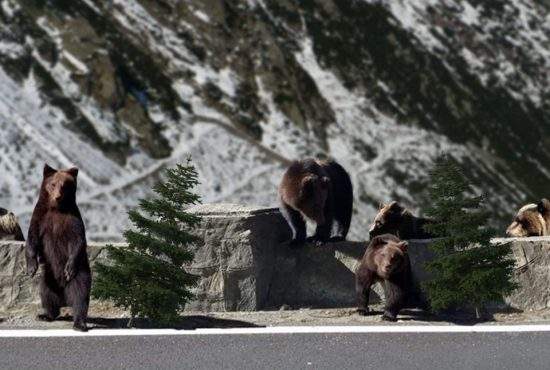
(244,265)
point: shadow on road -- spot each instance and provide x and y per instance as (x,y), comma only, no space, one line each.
(185,323)
(456,317)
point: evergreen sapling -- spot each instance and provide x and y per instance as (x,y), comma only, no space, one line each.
(468,271)
(147,278)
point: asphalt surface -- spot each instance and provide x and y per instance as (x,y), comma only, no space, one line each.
(528,350)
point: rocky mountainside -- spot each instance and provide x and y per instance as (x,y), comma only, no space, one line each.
(124,88)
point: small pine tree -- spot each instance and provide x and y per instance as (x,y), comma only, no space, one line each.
(467,270)
(147,278)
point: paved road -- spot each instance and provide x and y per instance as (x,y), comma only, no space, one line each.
(528,350)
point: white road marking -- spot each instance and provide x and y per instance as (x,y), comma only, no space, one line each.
(43,333)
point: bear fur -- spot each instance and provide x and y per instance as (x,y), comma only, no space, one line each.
(385,260)
(9,226)
(320,191)
(399,221)
(57,241)
(531,220)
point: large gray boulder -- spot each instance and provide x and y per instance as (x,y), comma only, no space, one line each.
(532,256)
(235,259)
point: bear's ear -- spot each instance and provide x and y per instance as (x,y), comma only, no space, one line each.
(543,206)
(396,207)
(48,171)
(378,241)
(73,172)
(381,205)
(404,246)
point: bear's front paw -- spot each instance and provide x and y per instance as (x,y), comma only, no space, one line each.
(316,241)
(45,317)
(69,271)
(80,326)
(337,239)
(32,266)
(363,311)
(296,243)
(388,317)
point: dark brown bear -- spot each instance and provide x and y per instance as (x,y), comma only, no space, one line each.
(320,191)
(57,240)
(385,260)
(399,221)
(9,226)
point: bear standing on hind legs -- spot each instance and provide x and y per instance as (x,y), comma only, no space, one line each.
(57,240)
(320,191)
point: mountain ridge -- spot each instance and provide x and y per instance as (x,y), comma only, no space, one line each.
(123,89)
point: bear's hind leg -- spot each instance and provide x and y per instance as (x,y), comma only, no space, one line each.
(52,300)
(395,300)
(78,296)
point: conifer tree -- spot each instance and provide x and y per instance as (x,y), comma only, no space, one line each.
(468,271)
(147,278)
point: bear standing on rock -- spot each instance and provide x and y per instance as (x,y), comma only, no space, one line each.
(57,240)
(320,191)
(399,221)
(385,260)
(531,220)
(9,227)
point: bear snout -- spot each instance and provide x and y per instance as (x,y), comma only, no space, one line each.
(515,230)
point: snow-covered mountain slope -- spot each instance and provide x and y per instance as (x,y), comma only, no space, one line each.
(124,88)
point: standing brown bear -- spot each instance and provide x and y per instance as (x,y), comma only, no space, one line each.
(320,191)
(385,260)
(57,240)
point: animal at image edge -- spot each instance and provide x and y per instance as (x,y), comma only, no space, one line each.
(9,226)
(386,260)
(57,241)
(531,220)
(395,219)
(318,190)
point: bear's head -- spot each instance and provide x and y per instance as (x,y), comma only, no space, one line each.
(389,255)
(8,222)
(314,191)
(388,220)
(531,220)
(59,187)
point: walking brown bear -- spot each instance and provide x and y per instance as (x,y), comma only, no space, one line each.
(320,191)
(385,260)
(57,240)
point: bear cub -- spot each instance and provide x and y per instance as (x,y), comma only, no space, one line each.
(531,220)
(57,241)
(9,226)
(395,219)
(318,190)
(386,261)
